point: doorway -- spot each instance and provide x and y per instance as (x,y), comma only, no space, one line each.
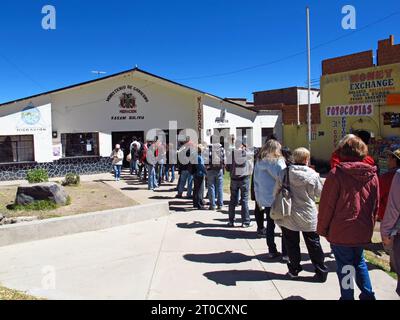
(124,138)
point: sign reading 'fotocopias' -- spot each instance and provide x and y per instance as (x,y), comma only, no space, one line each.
(355,110)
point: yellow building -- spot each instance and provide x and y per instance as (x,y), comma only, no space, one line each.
(356,94)
(357,100)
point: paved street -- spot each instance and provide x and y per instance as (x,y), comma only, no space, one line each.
(187,255)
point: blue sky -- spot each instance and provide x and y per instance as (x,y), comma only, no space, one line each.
(186,41)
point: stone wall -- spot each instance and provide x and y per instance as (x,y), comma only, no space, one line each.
(58,168)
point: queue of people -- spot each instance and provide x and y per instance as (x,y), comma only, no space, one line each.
(351,199)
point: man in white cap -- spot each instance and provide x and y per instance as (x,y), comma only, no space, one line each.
(117,157)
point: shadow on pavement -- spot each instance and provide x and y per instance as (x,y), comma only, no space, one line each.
(227,233)
(231,277)
(295,298)
(198,225)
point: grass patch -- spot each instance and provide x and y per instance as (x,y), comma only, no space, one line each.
(9,294)
(379,263)
(41,205)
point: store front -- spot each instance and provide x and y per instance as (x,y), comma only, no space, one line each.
(74,129)
(359,100)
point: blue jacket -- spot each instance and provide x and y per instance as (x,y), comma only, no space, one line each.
(266,174)
(201,170)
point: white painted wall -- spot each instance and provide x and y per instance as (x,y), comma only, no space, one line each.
(85,109)
(12,123)
(302,95)
(238,117)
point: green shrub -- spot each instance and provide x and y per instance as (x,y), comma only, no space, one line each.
(41,205)
(71,179)
(37,176)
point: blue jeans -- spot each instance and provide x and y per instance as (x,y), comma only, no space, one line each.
(215,181)
(159,172)
(172,167)
(352,257)
(151,177)
(134,166)
(244,187)
(117,171)
(185,176)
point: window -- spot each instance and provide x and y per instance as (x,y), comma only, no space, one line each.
(16,149)
(266,134)
(80,144)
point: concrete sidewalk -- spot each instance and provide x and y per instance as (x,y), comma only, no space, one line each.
(186,255)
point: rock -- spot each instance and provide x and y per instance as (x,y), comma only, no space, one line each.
(27,194)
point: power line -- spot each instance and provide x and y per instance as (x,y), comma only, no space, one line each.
(293,55)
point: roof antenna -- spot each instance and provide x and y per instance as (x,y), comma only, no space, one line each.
(98,72)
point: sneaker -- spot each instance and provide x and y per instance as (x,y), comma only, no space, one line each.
(285,259)
(261,233)
(230,225)
(179,196)
(219,207)
(246,225)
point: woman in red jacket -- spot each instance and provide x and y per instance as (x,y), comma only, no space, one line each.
(348,207)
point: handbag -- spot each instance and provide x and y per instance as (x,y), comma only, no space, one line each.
(282,205)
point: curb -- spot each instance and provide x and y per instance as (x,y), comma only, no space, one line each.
(56,227)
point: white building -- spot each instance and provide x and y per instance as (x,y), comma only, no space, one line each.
(74,128)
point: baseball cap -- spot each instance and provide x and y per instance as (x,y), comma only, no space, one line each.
(394,153)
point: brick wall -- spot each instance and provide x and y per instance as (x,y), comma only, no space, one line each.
(286,96)
(289,112)
(388,53)
(347,63)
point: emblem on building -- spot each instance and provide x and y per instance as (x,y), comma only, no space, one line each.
(30,115)
(127,101)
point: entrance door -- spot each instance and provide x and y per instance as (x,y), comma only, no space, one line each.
(125,139)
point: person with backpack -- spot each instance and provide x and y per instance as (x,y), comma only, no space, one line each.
(348,209)
(215,174)
(305,186)
(199,172)
(240,172)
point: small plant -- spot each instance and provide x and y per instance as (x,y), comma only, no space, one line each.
(69,201)
(41,205)
(37,176)
(71,179)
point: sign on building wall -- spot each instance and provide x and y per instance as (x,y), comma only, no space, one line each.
(371,86)
(350,110)
(128,102)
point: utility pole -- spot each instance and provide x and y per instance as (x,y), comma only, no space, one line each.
(309,78)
